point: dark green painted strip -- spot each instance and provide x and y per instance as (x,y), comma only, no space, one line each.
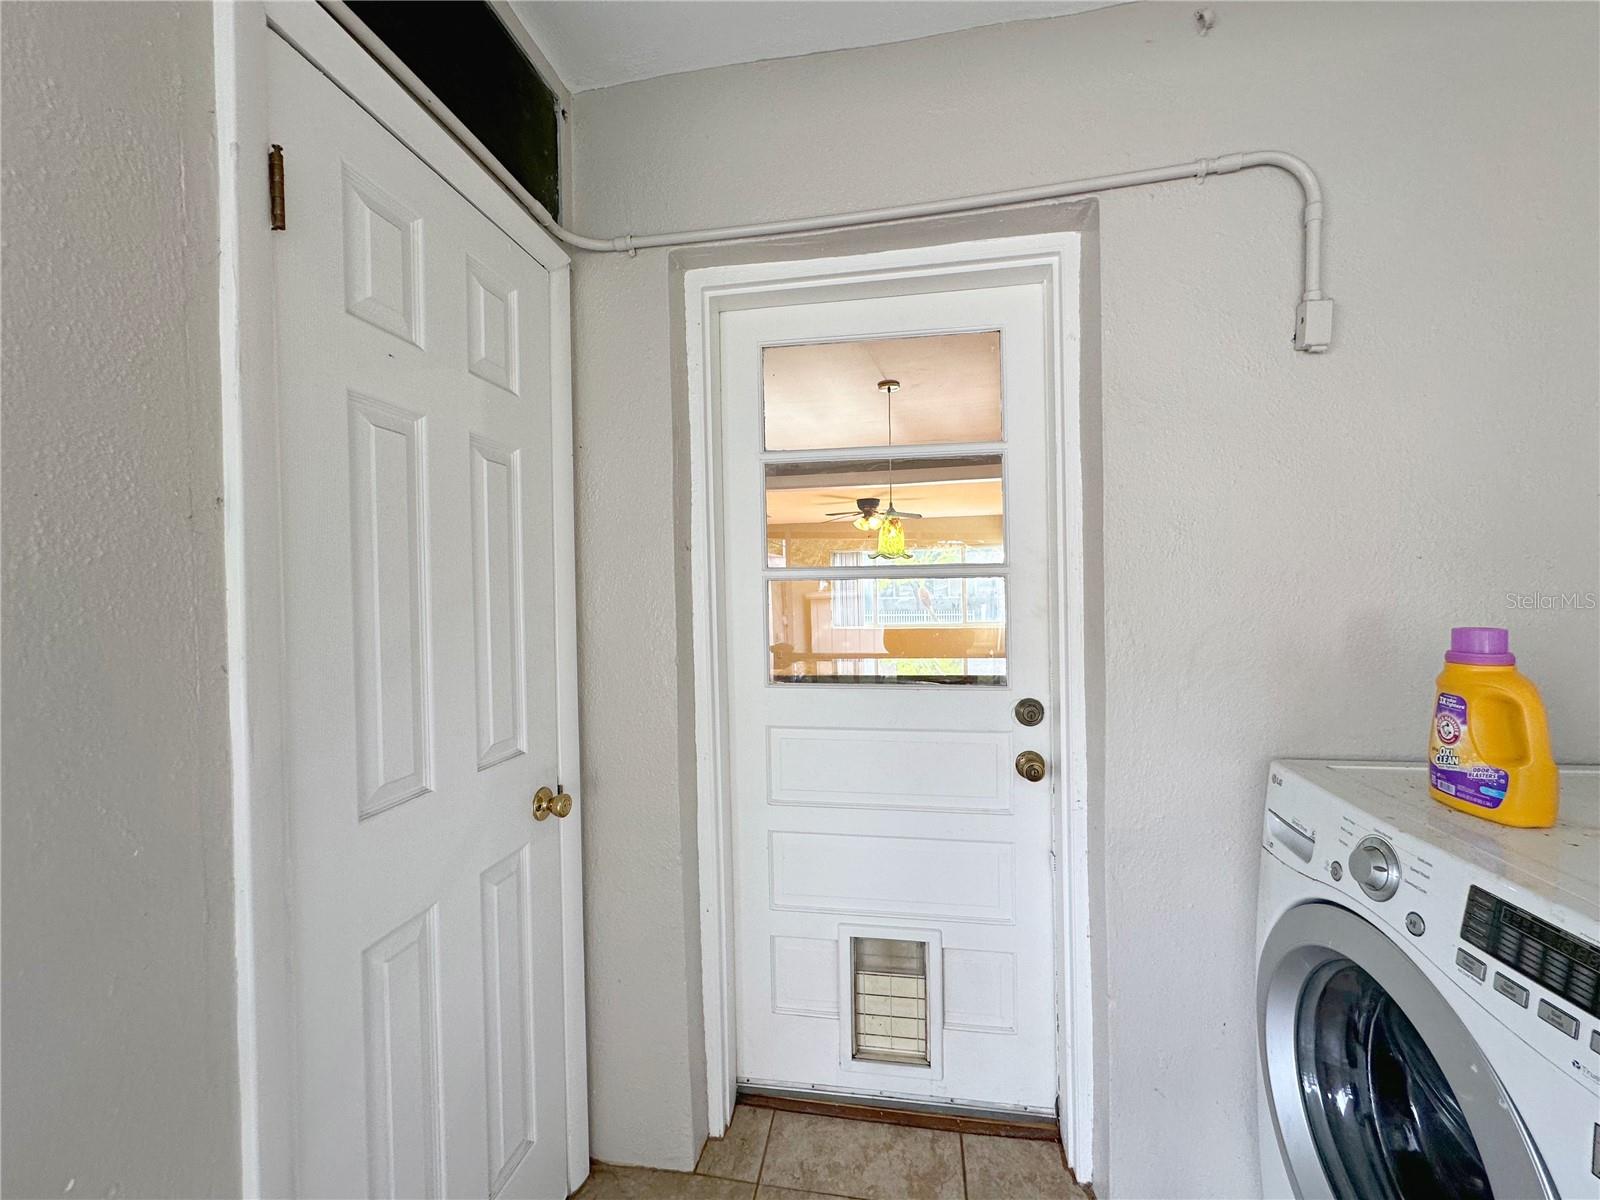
(464,54)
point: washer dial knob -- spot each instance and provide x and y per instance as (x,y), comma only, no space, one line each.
(1375,867)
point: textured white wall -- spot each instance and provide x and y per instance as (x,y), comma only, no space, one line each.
(1287,538)
(118,1038)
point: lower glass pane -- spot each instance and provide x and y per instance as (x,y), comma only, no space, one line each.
(888,630)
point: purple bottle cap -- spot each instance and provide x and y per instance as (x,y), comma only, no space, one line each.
(1480,646)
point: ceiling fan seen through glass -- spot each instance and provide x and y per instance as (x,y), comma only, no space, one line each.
(889,524)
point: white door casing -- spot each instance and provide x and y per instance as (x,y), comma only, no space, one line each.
(424,678)
(861,808)
(840,267)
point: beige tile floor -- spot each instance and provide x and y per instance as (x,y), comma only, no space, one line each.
(770,1155)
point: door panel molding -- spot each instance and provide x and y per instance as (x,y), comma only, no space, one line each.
(242,34)
(959,879)
(401,986)
(956,770)
(1051,262)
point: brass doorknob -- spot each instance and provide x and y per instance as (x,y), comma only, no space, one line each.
(550,804)
(1030,765)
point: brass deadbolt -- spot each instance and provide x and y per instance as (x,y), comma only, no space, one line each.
(1030,765)
(1028,711)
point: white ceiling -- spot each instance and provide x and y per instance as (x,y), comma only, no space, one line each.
(822,395)
(597,43)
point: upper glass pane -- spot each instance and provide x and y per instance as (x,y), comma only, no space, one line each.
(826,395)
(945,510)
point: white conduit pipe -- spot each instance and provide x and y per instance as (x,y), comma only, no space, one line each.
(1314,316)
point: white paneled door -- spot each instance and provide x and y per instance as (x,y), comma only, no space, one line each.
(886,556)
(419,676)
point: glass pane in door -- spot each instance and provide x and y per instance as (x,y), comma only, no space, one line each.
(929,510)
(826,395)
(885,630)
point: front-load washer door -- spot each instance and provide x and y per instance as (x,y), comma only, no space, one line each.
(1377,1089)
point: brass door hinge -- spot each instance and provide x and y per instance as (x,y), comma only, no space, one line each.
(275,186)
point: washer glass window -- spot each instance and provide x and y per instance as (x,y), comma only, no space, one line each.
(1385,1122)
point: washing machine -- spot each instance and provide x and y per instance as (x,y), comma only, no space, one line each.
(1427,991)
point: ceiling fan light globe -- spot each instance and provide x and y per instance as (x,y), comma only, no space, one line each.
(892,540)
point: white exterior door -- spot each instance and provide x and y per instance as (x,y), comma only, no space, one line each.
(419,676)
(893,916)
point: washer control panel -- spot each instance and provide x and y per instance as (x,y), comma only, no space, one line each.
(1375,867)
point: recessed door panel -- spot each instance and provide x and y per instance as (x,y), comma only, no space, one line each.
(935,770)
(405,1106)
(508,1013)
(497,570)
(389,553)
(382,258)
(961,880)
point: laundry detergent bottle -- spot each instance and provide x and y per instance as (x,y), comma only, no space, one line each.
(1489,754)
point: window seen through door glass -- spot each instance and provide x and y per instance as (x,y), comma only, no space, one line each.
(903,629)
(826,395)
(946,510)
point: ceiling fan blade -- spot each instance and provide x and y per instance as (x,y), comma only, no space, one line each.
(854,512)
(909,516)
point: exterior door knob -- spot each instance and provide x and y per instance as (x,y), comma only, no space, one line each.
(1030,765)
(550,804)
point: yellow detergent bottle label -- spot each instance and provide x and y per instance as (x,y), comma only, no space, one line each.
(1455,769)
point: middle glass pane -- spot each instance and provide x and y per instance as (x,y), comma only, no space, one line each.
(940,510)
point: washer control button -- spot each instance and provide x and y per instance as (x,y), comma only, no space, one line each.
(1551,1015)
(1511,989)
(1472,966)
(1415,925)
(1336,869)
(1594,1040)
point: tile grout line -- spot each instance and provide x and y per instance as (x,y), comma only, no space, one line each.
(961,1143)
(766,1144)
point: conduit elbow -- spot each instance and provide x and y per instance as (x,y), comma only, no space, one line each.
(1310,185)
(1313,326)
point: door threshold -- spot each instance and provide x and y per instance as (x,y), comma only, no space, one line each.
(951,1118)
